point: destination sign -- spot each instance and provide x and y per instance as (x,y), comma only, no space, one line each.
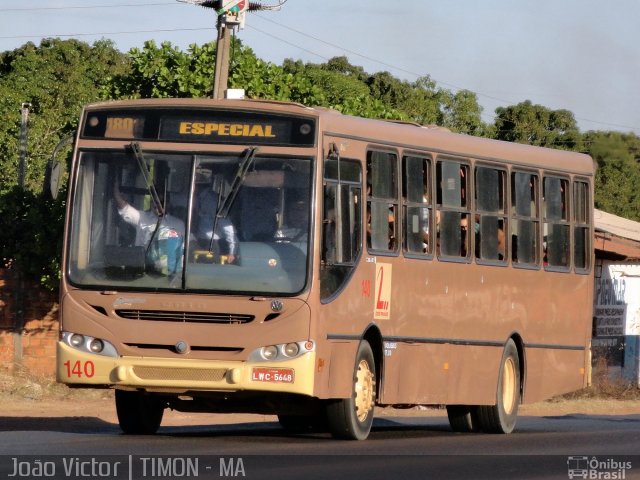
(200,126)
(224,131)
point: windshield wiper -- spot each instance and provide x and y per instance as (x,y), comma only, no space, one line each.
(151,188)
(243,169)
(225,205)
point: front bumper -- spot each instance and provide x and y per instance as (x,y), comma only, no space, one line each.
(175,375)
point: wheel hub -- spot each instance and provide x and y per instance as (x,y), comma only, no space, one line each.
(364,390)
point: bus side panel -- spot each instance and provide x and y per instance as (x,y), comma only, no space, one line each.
(415,373)
(473,374)
(341,368)
(553,372)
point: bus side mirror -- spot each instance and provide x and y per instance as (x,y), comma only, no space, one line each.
(55,171)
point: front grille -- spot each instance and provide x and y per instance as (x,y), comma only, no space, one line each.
(186,317)
(193,348)
(186,374)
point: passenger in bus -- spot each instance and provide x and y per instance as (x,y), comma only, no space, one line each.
(145,222)
(225,239)
(390,234)
(163,238)
(501,243)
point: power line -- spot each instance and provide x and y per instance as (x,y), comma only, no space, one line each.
(84,7)
(251,27)
(456,87)
(10,37)
(371,59)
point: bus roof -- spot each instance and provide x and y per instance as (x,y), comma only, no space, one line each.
(405,135)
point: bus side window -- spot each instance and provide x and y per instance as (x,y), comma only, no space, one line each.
(490,218)
(453,215)
(341,223)
(525,222)
(418,206)
(582,220)
(382,202)
(556,222)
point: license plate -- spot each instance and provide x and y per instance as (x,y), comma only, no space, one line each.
(273,375)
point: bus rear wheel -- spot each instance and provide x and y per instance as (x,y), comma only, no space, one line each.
(351,418)
(463,418)
(138,413)
(501,417)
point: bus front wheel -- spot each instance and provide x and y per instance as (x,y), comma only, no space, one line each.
(351,418)
(501,417)
(138,414)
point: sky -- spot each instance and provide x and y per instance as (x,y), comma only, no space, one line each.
(579,55)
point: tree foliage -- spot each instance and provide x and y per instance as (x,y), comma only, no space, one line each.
(57,78)
(537,125)
(618,175)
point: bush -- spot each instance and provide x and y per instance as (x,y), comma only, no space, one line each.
(31,227)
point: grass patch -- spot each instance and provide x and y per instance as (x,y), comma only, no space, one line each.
(604,387)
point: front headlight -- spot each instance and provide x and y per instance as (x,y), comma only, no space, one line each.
(281,352)
(88,344)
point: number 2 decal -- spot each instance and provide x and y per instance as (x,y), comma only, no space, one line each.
(382,306)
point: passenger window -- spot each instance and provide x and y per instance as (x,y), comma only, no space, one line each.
(382,202)
(418,206)
(581,219)
(555,241)
(490,218)
(525,223)
(452,216)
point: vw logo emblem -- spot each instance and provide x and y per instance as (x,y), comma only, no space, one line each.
(276,305)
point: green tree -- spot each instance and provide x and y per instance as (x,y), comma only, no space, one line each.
(31,239)
(57,79)
(537,125)
(618,175)
(462,113)
(166,71)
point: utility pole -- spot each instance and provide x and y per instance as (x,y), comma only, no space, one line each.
(221,75)
(19,292)
(231,16)
(24,128)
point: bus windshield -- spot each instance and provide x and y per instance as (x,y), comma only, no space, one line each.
(149,220)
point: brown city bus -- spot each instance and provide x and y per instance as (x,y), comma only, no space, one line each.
(254,256)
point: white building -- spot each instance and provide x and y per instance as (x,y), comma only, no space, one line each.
(616,309)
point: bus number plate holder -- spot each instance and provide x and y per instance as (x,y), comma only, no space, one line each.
(273,375)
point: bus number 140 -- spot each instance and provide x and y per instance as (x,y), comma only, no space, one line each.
(78,369)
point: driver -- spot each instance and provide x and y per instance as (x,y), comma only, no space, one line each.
(225,239)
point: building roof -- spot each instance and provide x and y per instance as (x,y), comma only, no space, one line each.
(621,227)
(616,236)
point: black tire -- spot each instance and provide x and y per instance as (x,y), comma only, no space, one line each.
(303,423)
(139,413)
(351,418)
(463,418)
(502,417)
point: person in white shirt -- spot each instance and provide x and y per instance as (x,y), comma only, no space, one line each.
(146,225)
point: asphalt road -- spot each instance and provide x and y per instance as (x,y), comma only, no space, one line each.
(582,446)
